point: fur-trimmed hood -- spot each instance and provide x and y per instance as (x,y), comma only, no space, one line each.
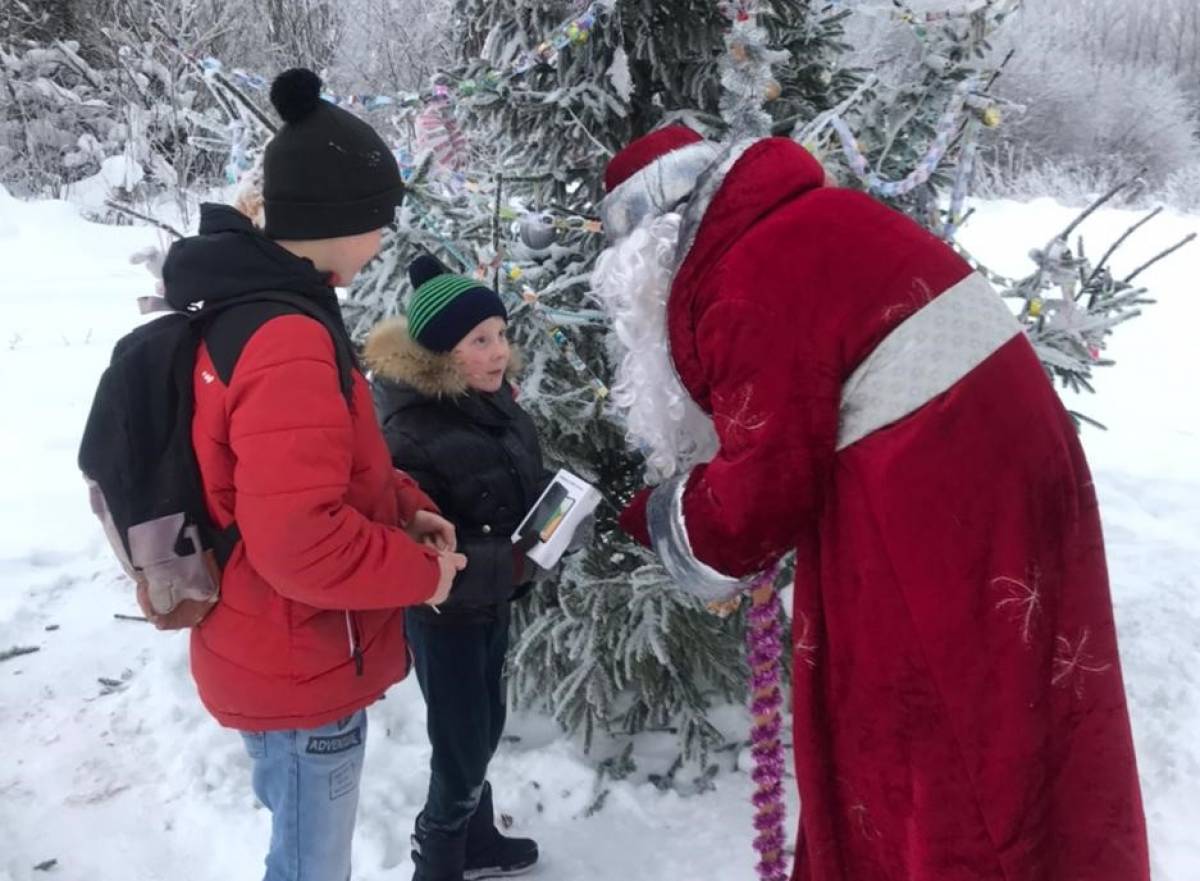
(391,354)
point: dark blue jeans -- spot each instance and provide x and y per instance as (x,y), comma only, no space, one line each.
(459,659)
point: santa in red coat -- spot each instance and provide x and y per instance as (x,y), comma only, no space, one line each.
(806,369)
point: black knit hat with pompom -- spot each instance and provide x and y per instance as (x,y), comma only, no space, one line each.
(326,173)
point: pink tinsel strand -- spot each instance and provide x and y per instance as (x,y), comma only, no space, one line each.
(763,650)
(762,681)
(760,661)
(768,759)
(772,841)
(768,845)
(767,732)
(768,703)
(767,756)
(763,663)
(773,870)
(766,780)
(767,752)
(767,772)
(765,798)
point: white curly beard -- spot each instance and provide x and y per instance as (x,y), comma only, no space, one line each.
(632,280)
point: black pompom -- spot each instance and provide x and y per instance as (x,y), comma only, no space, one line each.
(424,268)
(296,93)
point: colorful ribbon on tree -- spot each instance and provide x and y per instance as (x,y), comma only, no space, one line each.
(944,133)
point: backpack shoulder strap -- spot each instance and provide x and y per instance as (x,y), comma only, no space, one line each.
(227,327)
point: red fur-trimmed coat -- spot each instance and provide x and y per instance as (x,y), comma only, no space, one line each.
(959,712)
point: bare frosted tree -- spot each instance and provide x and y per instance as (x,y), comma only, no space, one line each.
(302,32)
(393,44)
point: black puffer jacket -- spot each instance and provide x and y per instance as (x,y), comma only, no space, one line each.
(476,455)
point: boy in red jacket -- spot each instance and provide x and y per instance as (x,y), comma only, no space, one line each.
(308,630)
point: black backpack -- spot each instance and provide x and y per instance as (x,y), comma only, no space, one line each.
(137,455)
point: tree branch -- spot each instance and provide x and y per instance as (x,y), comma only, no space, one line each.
(18,651)
(1117,244)
(1167,253)
(133,212)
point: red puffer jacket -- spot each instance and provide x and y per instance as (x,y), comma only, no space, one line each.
(309,626)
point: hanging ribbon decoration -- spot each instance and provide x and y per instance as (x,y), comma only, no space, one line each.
(945,130)
(564,345)
(764,650)
(240,160)
(439,132)
(962,180)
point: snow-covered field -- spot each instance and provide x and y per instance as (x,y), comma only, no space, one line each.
(131,781)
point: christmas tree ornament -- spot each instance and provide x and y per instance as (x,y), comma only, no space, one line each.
(773,91)
(538,231)
(438,132)
(992,117)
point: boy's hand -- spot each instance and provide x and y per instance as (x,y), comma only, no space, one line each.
(427,527)
(449,565)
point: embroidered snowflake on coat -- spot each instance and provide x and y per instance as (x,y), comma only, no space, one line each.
(1073,662)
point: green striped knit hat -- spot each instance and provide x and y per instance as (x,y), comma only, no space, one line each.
(445,307)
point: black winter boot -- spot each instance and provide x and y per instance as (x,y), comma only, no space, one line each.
(438,856)
(490,854)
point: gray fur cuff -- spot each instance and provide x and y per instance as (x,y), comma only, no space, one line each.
(668,535)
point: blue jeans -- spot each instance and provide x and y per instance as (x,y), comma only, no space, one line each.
(309,781)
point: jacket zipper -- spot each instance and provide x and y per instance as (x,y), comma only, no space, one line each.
(355,648)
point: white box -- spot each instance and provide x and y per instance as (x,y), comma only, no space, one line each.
(566,503)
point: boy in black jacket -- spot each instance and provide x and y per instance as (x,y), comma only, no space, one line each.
(453,424)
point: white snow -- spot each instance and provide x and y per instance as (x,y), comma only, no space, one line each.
(121,172)
(136,782)
(619,75)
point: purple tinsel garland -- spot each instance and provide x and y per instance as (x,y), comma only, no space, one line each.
(763,648)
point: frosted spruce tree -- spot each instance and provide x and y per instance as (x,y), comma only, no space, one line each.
(547,93)
(506,170)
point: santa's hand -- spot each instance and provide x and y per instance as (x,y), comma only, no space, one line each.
(633,518)
(726,608)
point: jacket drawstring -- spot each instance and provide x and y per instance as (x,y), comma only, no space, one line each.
(355,648)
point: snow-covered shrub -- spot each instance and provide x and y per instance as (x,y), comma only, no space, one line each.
(1182,189)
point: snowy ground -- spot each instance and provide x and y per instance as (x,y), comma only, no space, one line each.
(131,780)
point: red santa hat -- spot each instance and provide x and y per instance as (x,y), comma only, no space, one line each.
(653,175)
